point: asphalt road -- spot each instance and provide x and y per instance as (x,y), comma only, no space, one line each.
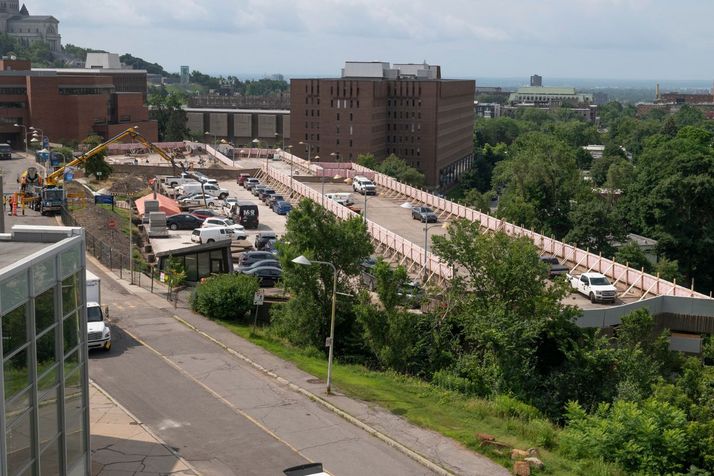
(223,416)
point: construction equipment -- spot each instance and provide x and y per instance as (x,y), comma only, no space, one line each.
(48,195)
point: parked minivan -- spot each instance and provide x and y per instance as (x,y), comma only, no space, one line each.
(246,213)
(209,235)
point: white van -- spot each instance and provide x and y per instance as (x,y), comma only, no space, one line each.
(211,234)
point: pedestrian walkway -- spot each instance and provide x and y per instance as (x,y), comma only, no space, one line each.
(436,453)
(122,446)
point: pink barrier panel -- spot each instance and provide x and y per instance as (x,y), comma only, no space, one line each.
(643,281)
(379,233)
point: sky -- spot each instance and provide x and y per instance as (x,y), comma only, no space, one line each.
(618,39)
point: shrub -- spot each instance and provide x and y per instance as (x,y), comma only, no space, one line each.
(226,296)
(648,437)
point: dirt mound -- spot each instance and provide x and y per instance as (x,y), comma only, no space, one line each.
(130,183)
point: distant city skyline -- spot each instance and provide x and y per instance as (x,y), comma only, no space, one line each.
(619,39)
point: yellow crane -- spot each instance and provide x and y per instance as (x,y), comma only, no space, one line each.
(49,196)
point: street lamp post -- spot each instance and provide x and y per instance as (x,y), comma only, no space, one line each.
(427,227)
(302,260)
(309,149)
(24,134)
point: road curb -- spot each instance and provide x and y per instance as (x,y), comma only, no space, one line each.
(143,426)
(419,458)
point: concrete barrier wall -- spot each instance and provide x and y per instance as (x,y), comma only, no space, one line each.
(154,170)
(619,273)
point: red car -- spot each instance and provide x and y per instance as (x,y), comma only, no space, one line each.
(204,213)
(241,178)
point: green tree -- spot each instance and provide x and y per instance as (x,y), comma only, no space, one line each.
(541,173)
(671,199)
(400,170)
(633,255)
(594,225)
(316,233)
(502,130)
(166,108)
(367,160)
(508,323)
(96,165)
(478,201)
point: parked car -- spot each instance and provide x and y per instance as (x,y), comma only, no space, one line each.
(364,185)
(257,264)
(198,199)
(274,198)
(411,293)
(183,221)
(367,272)
(257,189)
(238,230)
(208,188)
(424,214)
(555,268)
(266,193)
(262,238)
(211,234)
(249,257)
(242,178)
(188,195)
(267,276)
(251,182)
(282,207)
(595,286)
(204,213)
(228,204)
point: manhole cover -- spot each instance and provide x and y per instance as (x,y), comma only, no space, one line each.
(314,380)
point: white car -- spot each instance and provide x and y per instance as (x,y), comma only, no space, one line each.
(211,234)
(238,230)
(198,199)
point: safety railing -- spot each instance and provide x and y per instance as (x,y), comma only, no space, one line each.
(619,273)
(381,235)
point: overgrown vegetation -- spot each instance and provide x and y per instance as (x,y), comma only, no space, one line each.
(394,167)
(655,178)
(503,354)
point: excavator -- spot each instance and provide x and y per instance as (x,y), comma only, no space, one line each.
(47,195)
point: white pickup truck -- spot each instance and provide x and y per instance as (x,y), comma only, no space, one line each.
(176,181)
(99,335)
(595,286)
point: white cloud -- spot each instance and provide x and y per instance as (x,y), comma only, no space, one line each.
(471,35)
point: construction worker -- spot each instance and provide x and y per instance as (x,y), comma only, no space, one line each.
(12,205)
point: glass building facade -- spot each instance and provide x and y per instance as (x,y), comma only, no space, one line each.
(43,383)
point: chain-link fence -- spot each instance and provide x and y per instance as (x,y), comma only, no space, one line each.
(134,270)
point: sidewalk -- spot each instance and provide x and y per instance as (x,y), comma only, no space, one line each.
(433,451)
(123,446)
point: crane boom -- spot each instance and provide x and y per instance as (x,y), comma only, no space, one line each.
(53,178)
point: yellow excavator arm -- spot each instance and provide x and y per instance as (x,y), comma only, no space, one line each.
(56,176)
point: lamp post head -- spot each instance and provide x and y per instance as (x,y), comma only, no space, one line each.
(317,157)
(407,205)
(301,260)
(255,141)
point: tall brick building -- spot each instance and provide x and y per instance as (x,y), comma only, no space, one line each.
(407,110)
(71,104)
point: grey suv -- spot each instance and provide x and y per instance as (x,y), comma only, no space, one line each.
(424,214)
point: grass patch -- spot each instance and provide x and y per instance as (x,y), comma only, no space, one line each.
(452,414)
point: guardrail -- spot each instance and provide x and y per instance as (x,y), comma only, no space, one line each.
(380,234)
(619,273)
